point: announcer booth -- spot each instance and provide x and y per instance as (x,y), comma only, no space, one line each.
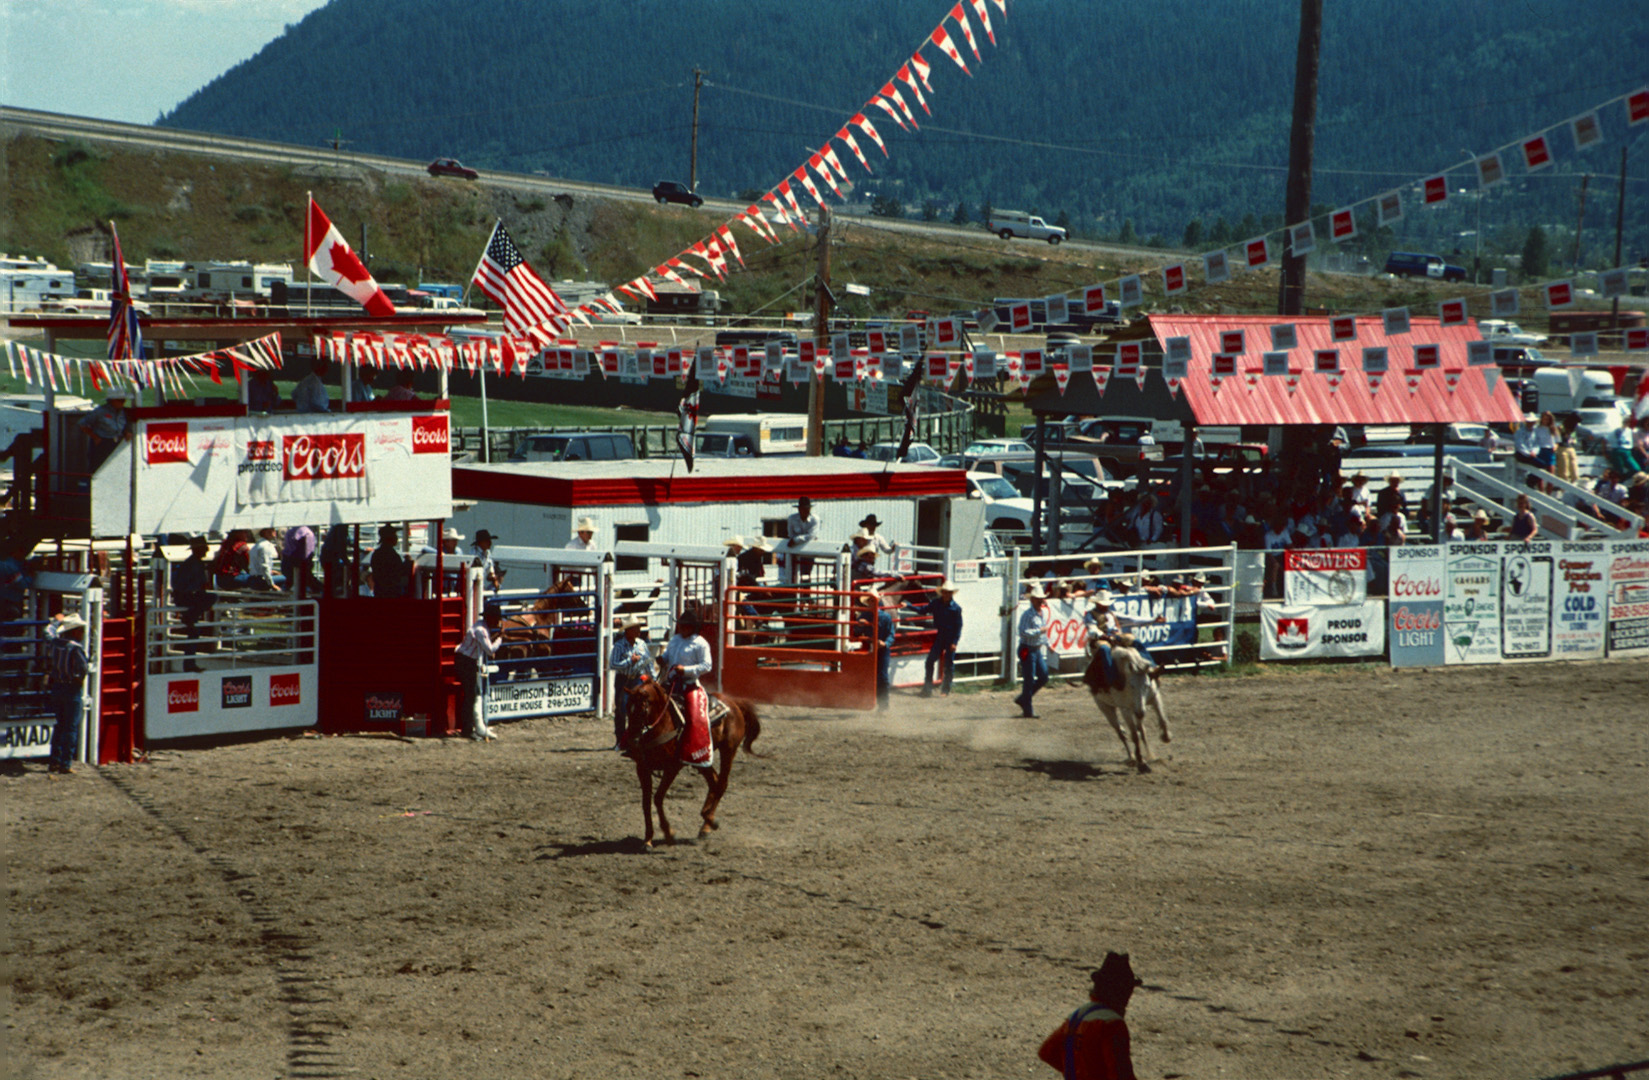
(305,656)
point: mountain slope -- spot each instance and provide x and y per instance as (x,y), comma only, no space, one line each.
(1155,113)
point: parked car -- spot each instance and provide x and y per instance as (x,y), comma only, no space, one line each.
(575,446)
(1124,444)
(919,453)
(668,191)
(1506,332)
(452,167)
(724,444)
(1415,264)
(996,447)
(1593,424)
(1005,508)
(1520,361)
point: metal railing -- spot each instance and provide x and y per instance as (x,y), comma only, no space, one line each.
(240,630)
(1480,489)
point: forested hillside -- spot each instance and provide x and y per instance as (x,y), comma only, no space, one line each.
(1131,117)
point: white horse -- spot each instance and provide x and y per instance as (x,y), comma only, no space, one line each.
(1139,691)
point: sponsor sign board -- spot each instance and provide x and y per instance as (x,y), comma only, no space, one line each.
(1325,576)
(1471,603)
(1580,601)
(1314,631)
(236,692)
(1628,585)
(508,700)
(1526,602)
(383,706)
(295,469)
(1414,610)
(256,700)
(26,738)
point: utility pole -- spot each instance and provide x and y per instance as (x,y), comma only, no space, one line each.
(1620,221)
(1301,140)
(823,302)
(693,165)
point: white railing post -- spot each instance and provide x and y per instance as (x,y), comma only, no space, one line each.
(1010,608)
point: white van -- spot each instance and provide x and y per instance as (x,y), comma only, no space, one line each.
(769,433)
(1567,389)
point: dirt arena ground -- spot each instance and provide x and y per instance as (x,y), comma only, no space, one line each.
(1337,872)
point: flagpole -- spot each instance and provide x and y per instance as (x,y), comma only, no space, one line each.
(308,284)
(478,262)
(486,432)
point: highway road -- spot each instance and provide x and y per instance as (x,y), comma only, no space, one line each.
(147,137)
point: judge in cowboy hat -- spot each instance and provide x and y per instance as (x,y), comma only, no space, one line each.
(946,616)
(631,661)
(585,540)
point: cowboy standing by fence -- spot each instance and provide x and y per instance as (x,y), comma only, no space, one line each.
(474,652)
(946,614)
(66,666)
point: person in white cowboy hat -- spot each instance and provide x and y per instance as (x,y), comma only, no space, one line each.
(1105,625)
(1033,644)
(470,662)
(450,561)
(734,545)
(631,662)
(585,540)
(264,565)
(65,662)
(946,614)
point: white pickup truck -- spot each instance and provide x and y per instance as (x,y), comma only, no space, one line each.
(1011,223)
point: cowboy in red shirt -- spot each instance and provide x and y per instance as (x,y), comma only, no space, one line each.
(1092,1044)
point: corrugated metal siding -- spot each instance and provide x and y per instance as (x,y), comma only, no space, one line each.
(1269,402)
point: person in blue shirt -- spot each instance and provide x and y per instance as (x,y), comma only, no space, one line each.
(66,666)
(878,625)
(946,614)
(1033,644)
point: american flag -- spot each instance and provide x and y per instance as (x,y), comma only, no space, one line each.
(509,279)
(687,419)
(125,339)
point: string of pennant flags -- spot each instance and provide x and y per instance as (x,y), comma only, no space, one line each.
(1536,151)
(172,374)
(781,202)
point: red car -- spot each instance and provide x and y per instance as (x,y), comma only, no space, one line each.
(452,167)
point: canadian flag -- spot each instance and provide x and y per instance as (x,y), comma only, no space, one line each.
(1173,384)
(984,19)
(864,125)
(1451,378)
(1251,377)
(1062,376)
(967,30)
(1333,381)
(329,256)
(1292,382)
(853,144)
(1412,378)
(1139,376)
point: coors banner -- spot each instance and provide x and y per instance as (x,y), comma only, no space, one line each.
(276,464)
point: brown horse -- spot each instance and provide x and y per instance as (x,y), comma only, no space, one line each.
(652,730)
(530,632)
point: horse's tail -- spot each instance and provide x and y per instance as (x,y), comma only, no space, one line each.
(752,724)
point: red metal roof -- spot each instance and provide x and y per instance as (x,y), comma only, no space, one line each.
(654,482)
(1269,402)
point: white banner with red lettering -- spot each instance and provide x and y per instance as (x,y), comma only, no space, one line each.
(217,473)
(1325,576)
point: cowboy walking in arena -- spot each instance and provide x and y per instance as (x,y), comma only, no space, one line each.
(631,661)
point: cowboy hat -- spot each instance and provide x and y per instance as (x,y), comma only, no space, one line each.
(1481,515)
(759,543)
(871,596)
(1094,564)
(70,622)
(482,536)
(1115,972)
(1102,598)
(870,522)
(1036,593)
(631,621)
(733,541)
(865,552)
(450,533)
(947,586)
(585,524)
(388,530)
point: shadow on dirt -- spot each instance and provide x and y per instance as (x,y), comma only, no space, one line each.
(629,845)
(1069,771)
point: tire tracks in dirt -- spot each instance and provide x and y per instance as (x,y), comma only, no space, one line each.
(306,995)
